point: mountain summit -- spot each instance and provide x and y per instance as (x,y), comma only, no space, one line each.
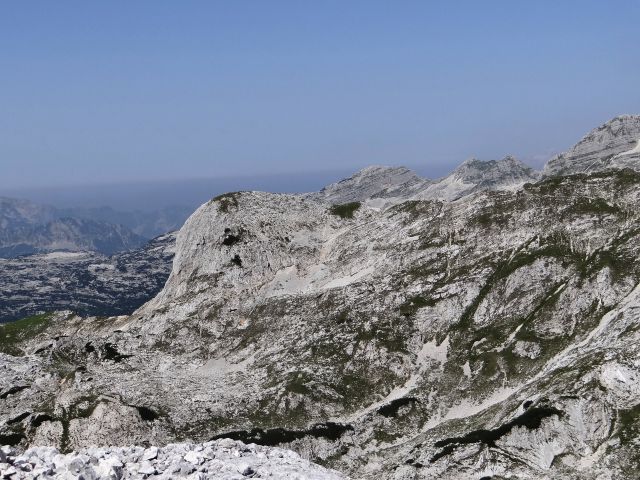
(615,144)
(373,182)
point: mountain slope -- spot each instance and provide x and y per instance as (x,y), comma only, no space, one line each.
(491,335)
(394,335)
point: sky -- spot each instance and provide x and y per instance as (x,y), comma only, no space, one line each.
(124,92)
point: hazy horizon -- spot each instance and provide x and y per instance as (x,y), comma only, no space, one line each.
(147,91)
(151,195)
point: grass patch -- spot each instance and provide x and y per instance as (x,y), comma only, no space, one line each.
(629,424)
(14,333)
(592,206)
(297,383)
(226,201)
(346,210)
(383,436)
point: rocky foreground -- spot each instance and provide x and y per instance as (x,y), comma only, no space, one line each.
(223,459)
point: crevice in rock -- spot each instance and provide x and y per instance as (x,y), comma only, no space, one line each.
(13,390)
(19,418)
(43,349)
(229,238)
(531,419)
(39,418)
(391,408)
(147,414)
(276,436)
(110,352)
(236,260)
(11,438)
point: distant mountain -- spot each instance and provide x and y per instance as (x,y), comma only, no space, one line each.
(27,228)
(373,182)
(615,144)
(146,224)
(380,186)
(476,175)
(16,214)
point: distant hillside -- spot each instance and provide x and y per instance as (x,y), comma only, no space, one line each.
(27,228)
(146,224)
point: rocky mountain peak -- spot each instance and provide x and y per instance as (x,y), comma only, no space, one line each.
(615,144)
(374,181)
(474,169)
(475,175)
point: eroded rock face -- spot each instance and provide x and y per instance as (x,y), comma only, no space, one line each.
(374,182)
(612,145)
(222,459)
(493,335)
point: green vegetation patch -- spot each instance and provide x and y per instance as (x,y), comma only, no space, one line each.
(592,206)
(297,383)
(629,424)
(346,210)
(14,333)
(384,436)
(226,201)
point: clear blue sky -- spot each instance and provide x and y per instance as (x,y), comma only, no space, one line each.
(94,92)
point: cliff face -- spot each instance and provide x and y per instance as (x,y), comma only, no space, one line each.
(494,334)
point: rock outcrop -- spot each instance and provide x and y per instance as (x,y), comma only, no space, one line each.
(374,182)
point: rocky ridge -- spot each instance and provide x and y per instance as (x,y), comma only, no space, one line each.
(492,334)
(613,145)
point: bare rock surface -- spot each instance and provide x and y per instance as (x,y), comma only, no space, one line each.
(221,459)
(615,144)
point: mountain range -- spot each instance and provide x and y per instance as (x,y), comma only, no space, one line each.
(28,228)
(482,325)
